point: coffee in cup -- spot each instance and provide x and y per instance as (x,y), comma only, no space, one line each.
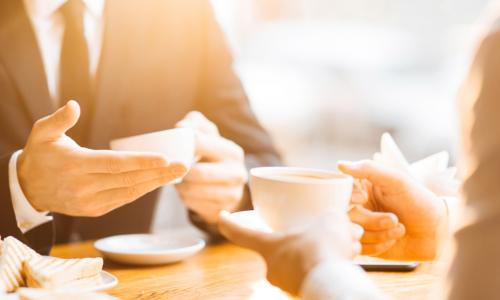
(289,199)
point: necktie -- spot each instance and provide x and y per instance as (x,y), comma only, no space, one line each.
(74,73)
(74,83)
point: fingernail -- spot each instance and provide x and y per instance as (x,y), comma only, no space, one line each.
(343,163)
(178,169)
(357,249)
(181,124)
(397,233)
(160,162)
(358,231)
(386,223)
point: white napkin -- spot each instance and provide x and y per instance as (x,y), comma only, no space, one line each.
(433,171)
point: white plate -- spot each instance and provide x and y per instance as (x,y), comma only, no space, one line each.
(251,220)
(149,249)
(108,281)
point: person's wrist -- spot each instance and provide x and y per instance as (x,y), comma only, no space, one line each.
(314,264)
(311,258)
(22,176)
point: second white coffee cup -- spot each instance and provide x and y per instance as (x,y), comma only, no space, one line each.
(178,145)
(290,199)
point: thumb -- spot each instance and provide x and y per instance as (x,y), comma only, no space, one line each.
(374,172)
(243,236)
(56,124)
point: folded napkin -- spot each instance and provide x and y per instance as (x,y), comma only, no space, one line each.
(433,171)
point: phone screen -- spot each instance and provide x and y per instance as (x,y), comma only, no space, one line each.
(381,266)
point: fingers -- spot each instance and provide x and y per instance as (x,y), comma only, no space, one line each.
(114,162)
(210,173)
(359,193)
(377,249)
(199,122)
(207,210)
(374,221)
(376,237)
(55,125)
(242,236)
(210,145)
(357,249)
(118,197)
(372,171)
(381,230)
(215,148)
(224,196)
(102,182)
(357,231)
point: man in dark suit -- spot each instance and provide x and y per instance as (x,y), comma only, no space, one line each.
(134,67)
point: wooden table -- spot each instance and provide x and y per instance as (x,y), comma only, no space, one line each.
(228,272)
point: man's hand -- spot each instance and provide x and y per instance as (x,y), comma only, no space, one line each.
(391,197)
(290,257)
(58,175)
(216,182)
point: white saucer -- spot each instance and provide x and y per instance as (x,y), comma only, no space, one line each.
(149,249)
(250,219)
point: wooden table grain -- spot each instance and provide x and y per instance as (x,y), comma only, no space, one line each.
(228,272)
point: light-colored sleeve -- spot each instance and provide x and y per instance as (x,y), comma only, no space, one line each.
(475,269)
(339,280)
(27,217)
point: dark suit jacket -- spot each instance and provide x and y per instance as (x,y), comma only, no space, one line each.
(160,60)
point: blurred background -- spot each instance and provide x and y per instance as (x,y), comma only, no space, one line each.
(328,77)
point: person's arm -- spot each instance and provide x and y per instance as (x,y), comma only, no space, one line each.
(40,238)
(340,280)
(27,216)
(54,174)
(223,99)
(478,244)
(313,264)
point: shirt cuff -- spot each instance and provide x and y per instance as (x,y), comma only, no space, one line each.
(341,280)
(27,217)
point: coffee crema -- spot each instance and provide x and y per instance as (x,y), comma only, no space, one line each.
(298,177)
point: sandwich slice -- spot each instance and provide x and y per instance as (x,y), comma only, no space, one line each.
(57,273)
(14,254)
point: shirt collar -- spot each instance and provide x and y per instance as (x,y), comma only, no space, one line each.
(46,8)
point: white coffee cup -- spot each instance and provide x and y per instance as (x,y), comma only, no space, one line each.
(289,199)
(178,145)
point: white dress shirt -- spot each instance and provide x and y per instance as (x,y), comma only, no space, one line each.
(48,27)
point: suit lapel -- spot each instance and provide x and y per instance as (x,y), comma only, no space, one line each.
(20,55)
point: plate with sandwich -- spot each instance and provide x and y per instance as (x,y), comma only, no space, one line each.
(22,267)
(84,275)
